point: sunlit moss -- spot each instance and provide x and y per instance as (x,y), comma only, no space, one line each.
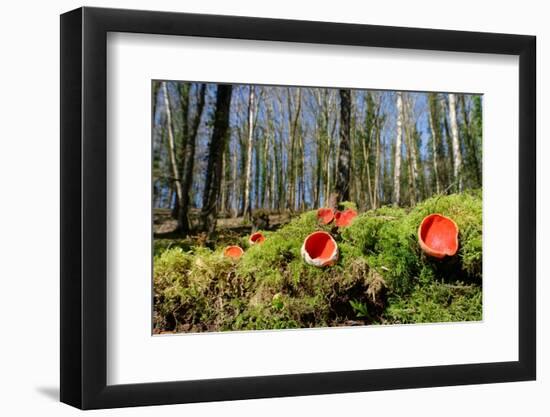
(381,271)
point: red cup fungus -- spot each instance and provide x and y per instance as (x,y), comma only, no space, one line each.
(256,238)
(325,215)
(320,249)
(234,252)
(438,236)
(344,218)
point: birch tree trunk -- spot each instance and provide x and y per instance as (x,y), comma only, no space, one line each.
(172,146)
(457,158)
(411,148)
(247,174)
(397,159)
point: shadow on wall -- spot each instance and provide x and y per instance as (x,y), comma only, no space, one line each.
(50,392)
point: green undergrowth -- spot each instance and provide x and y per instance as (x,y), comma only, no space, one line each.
(381,276)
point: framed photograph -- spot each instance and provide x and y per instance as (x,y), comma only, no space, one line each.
(258,208)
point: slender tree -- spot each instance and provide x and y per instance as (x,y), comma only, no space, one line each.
(378,160)
(410,139)
(343,173)
(457,157)
(189,161)
(397,158)
(249,144)
(172,145)
(435,139)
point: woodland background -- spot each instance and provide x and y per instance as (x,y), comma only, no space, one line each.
(223,151)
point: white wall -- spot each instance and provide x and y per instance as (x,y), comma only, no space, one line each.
(29,237)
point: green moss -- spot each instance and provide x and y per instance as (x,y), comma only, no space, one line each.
(436,303)
(380,267)
(347,205)
(161,245)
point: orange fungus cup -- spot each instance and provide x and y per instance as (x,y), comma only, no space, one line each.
(438,236)
(234,252)
(255,238)
(325,215)
(344,218)
(320,249)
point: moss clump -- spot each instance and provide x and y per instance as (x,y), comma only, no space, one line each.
(161,245)
(381,276)
(436,302)
(388,238)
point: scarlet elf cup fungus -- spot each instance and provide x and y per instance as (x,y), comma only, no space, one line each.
(234,252)
(325,215)
(320,249)
(256,238)
(344,218)
(438,236)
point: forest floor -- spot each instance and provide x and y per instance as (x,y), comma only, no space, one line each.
(227,229)
(381,277)
(165,224)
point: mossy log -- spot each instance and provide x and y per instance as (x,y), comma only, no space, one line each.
(381,277)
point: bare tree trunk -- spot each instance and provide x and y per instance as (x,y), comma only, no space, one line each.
(275,172)
(432,102)
(411,150)
(457,158)
(328,183)
(397,160)
(290,156)
(377,163)
(156,87)
(189,161)
(172,146)
(343,173)
(366,150)
(266,182)
(302,172)
(258,172)
(293,131)
(235,204)
(221,202)
(247,174)
(214,167)
(319,167)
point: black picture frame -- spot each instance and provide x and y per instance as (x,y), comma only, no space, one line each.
(84,207)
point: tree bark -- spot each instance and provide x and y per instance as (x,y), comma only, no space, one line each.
(411,150)
(172,146)
(343,173)
(249,143)
(376,190)
(235,203)
(457,158)
(215,155)
(189,161)
(397,158)
(432,103)
(293,131)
